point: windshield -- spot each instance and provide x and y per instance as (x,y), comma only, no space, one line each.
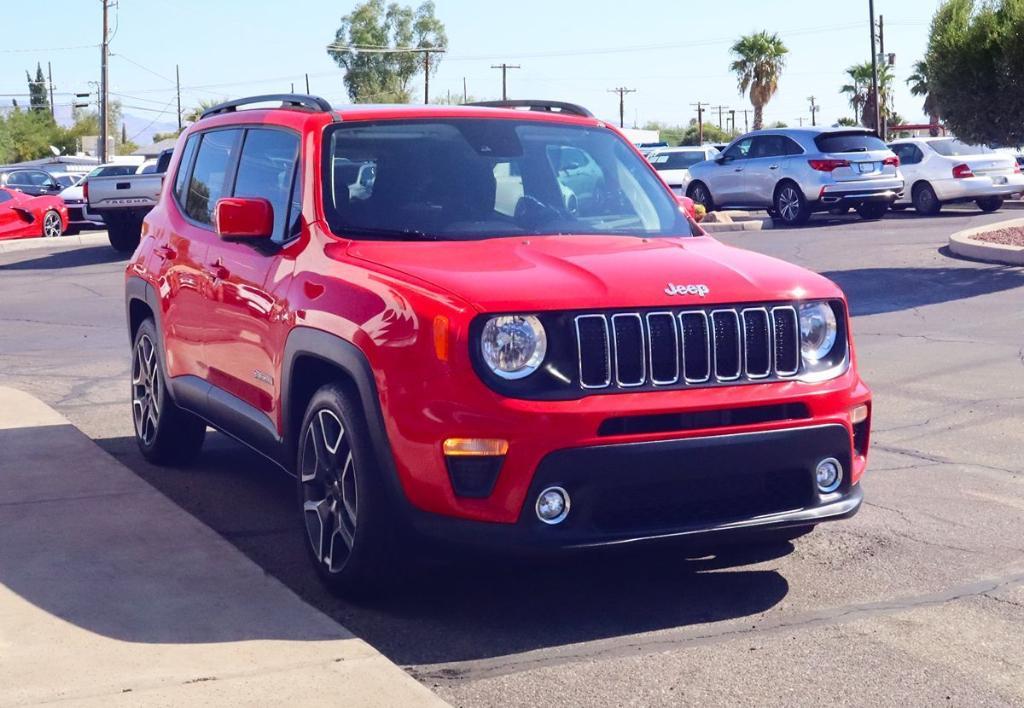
(950,147)
(677,160)
(470,179)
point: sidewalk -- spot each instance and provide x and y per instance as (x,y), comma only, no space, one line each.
(91,238)
(110,593)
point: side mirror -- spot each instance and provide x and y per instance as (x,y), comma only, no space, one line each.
(722,159)
(244,218)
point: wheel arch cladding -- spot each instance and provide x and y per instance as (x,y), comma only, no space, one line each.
(313,358)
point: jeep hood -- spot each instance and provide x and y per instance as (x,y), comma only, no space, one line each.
(584,272)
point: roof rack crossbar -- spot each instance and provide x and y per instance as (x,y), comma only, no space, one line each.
(537,105)
(296,100)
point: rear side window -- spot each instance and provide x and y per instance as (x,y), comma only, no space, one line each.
(183,168)
(849,142)
(265,169)
(208,181)
(951,147)
(117,170)
(677,160)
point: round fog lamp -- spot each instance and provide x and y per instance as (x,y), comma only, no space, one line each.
(829,474)
(553,505)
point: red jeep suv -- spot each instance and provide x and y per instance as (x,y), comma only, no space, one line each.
(487,324)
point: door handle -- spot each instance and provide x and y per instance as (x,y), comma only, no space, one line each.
(773,167)
(738,169)
(165,253)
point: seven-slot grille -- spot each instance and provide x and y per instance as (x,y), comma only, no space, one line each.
(631,349)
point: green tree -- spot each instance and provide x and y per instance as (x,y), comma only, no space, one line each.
(758,64)
(779,124)
(712,134)
(847,122)
(671,134)
(918,82)
(157,137)
(975,61)
(193,114)
(38,98)
(28,135)
(862,97)
(385,76)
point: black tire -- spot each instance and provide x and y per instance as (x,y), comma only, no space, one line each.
(700,194)
(52,226)
(871,211)
(343,500)
(925,201)
(166,434)
(791,207)
(989,203)
(898,207)
(72,230)
(124,234)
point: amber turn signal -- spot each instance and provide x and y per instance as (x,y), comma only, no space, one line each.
(858,414)
(441,337)
(474,447)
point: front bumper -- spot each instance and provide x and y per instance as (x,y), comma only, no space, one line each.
(713,486)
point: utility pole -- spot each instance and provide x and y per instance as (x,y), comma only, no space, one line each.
(814,110)
(881,53)
(104,59)
(49,77)
(504,75)
(307,83)
(177,84)
(622,91)
(874,63)
(800,120)
(465,93)
(732,118)
(426,78)
(700,121)
(719,109)
(746,120)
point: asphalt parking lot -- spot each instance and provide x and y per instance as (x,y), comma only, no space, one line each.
(917,600)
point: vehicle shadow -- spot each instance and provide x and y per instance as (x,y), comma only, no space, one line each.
(872,291)
(454,606)
(72,258)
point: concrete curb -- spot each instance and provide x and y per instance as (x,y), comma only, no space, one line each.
(744,225)
(112,594)
(93,238)
(962,244)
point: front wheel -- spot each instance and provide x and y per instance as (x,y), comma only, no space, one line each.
(790,205)
(925,201)
(166,434)
(700,194)
(52,225)
(872,210)
(342,498)
(989,203)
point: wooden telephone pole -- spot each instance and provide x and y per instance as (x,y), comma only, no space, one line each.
(504,77)
(622,91)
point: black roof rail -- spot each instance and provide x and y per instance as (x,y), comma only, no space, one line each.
(535,105)
(296,100)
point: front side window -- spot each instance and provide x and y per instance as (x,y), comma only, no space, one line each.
(181,179)
(208,180)
(265,170)
(469,179)
(5,196)
(739,150)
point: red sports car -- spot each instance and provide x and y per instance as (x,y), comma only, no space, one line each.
(24,216)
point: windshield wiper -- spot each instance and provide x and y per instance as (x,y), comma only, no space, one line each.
(387,234)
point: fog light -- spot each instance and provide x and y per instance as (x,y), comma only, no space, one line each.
(829,475)
(859,413)
(553,505)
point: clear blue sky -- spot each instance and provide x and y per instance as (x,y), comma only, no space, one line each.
(569,49)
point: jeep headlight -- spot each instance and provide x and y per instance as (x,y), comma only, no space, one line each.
(513,346)
(818,331)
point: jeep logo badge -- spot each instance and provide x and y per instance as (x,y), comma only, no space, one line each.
(673,289)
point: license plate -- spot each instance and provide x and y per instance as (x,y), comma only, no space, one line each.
(998,180)
(867,166)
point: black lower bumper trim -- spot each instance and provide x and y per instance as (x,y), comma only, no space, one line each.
(708,486)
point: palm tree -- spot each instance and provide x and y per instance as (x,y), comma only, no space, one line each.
(861,97)
(919,86)
(760,58)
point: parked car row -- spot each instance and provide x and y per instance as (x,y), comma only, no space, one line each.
(795,172)
(30,196)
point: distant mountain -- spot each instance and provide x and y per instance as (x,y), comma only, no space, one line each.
(144,128)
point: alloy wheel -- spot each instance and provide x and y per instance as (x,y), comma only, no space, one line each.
(701,196)
(147,390)
(330,503)
(788,204)
(51,225)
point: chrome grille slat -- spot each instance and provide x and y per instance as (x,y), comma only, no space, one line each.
(684,348)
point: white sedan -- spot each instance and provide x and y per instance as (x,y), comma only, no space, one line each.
(941,171)
(673,164)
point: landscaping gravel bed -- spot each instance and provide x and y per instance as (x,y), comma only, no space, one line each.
(1012,236)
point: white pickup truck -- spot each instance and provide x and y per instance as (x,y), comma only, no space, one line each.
(124,200)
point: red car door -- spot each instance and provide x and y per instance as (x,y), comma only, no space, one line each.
(246,307)
(185,289)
